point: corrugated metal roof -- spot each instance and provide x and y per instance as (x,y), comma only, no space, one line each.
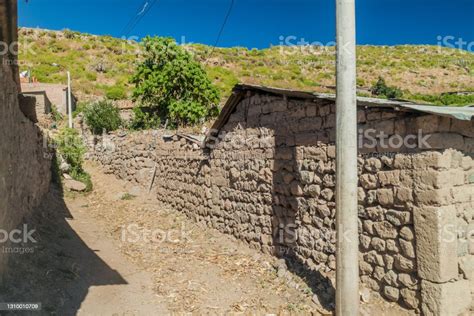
(460,113)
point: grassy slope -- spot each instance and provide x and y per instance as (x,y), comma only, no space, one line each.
(418,70)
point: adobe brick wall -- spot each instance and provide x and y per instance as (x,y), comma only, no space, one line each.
(24,170)
(269,180)
(9,35)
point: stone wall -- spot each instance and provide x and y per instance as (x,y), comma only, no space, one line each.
(24,169)
(268,179)
(9,36)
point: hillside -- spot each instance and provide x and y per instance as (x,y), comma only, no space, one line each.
(100,63)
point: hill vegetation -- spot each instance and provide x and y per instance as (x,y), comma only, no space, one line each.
(103,65)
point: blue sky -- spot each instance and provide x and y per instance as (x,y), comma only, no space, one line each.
(259,23)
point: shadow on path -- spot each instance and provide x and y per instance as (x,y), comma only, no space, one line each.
(59,268)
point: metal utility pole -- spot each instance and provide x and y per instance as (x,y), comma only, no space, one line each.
(347,268)
(69,99)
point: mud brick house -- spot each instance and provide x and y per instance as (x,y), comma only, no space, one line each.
(48,95)
(266,175)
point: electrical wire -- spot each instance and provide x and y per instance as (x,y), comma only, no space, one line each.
(229,11)
(140,17)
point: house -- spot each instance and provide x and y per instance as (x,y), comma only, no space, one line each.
(48,95)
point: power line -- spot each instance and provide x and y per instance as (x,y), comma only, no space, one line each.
(134,17)
(229,11)
(140,17)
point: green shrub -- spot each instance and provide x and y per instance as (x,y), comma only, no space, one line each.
(70,146)
(116,93)
(127,197)
(173,84)
(56,115)
(91,76)
(144,118)
(445,99)
(102,116)
(381,89)
(69,34)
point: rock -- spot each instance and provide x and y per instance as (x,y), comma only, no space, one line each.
(135,191)
(368,227)
(373,165)
(392,294)
(371,197)
(404,264)
(374,258)
(375,213)
(313,190)
(280,264)
(365,241)
(398,218)
(385,230)
(307,177)
(407,280)
(296,189)
(364,295)
(315,300)
(391,278)
(64,167)
(327,194)
(407,234)
(392,246)
(379,273)
(73,185)
(67,177)
(388,261)
(281,273)
(449,298)
(361,195)
(385,197)
(378,244)
(369,181)
(365,268)
(407,248)
(370,282)
(410,298)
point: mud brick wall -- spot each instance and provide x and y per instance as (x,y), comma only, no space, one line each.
(268,178)
(24,169)
(9,37)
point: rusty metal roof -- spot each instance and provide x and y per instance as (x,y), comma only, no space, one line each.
(240,90)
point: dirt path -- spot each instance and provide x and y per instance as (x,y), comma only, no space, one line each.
(193,268)
(131,296)
(112,252)
(190,268)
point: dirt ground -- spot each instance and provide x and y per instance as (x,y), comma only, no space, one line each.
(115,251)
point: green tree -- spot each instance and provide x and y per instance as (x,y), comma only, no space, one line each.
(173,84)
(102,115)
(381,89)
(116,93)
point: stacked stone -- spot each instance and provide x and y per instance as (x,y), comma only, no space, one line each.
(269,180)
(388,257)
(444,195)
